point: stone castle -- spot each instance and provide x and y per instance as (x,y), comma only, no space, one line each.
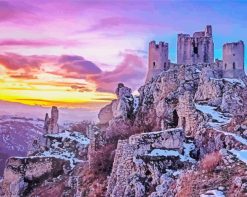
(197,49)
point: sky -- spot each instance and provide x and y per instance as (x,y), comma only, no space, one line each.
(73,53)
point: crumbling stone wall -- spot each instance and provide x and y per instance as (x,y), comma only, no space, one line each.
(22,174)
(134,172)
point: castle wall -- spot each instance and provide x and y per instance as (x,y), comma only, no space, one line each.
(157,59)
(197,49)
(233,59)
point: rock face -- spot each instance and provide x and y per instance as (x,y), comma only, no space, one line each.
(21,174)
(51,125)
(106,114)
(16,135)
(142,161)
(201,111)
(122,107)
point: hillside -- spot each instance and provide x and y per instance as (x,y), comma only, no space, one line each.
(184,135)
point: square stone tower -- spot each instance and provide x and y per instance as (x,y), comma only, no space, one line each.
(233,59)
(196,49)
(157,59)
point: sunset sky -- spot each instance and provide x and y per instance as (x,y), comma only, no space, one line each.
(72,53)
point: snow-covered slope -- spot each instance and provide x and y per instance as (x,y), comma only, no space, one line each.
(16,133)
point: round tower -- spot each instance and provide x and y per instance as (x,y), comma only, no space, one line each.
(157,59)
(233,59)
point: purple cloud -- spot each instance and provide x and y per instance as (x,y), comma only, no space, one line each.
(131,71)
(38,43)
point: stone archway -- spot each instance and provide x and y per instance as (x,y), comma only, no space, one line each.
(183,123)
(175,118)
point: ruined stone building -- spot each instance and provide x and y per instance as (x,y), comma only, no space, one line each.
(233,59)
(197,49)
(157,58)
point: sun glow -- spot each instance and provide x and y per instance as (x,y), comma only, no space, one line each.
(49,89)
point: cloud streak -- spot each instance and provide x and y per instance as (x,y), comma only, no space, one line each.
(130,71)
(39,43)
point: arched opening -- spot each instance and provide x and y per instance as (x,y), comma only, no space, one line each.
(183,123)
(165,65)
(175,118)
(225,65)
(153,64)
(233,65)
(195,48)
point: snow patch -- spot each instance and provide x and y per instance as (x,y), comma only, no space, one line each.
(136,103)
(231,80)
(73,136)
(188,147)
(236,137)
(240,154)
(218,118)
(213,193)
(159,132)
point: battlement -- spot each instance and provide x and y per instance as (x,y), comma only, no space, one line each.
(198,49)
(157,58)
(159,45)
(233,44)
(180,36)
(208,31)
(233,59)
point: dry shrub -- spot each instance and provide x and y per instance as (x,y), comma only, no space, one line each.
(210,161)
(92,184)
(186,185)
(101,160)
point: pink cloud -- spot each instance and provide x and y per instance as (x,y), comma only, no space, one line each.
(131,71)
(14,61)
(74,66)
(23,67)
(38,43)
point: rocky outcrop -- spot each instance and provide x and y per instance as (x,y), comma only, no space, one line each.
(141,161)
(122,107)
(190,119)
(160,97)
(22,174)
(228,94)
(106,114)
(51,125)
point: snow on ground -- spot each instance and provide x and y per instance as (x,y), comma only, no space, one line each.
(230,80)
(236,81)
(240,154)
(213,193)
(188,147)
(65,155)
(198,71)
(73,136)
(174,172)
(136,103)
(159,132)
(236,137)
(218,118)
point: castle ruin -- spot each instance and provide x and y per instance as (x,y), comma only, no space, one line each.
(233,59)
(197,49)
(157,58)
